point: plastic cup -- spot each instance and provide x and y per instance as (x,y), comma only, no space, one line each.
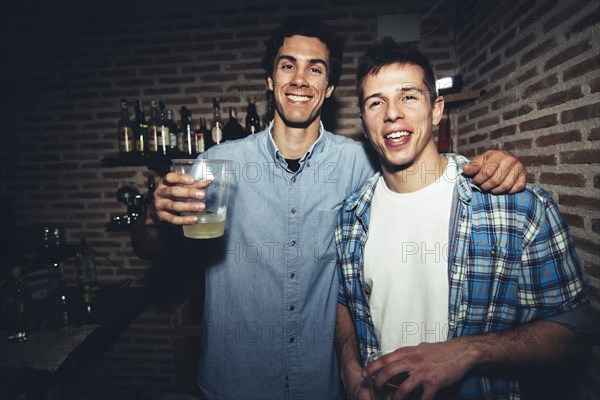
(211,221)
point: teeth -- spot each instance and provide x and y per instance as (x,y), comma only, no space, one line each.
(298,98)
(397,135)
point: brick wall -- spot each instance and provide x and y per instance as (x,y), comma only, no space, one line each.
(66,67)
(538,63)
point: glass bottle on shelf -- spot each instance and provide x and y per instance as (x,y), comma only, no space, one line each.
(153,129)
(173,134)
(187,132)
(141,132)
(270,114)
(17,315)
(199,138)
(216,125)
(125,131)
(208,142)
(163,133)
(252,118)
(233,130)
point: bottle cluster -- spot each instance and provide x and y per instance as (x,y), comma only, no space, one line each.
(159,136)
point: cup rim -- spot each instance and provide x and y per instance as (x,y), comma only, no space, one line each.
(203,160)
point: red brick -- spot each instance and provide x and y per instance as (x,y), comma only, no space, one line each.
(542,85)
(538,123)
(489,65)
(574,220)
(504,131)
(485,123)
(238,45)
(559,18)
(592,64)
(597,181)
(587,245)
(586,203)
(519,112)
(588,112)
(594,134)
(562,179)
(504,71)
(558,138)
(478,138)
(538,160)
(520,45)
(568,54)
(591,156)
(518,145)
(596,228)
(539,50)
(181,59)
(478,112)
(560,97)
(587,21)
(595,85)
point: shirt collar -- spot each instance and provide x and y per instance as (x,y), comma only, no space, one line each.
(316,147)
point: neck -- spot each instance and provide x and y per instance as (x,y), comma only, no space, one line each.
(419,174)
(294,142)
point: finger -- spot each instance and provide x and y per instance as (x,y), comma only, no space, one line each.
(411,388)
(180,206)
(177,219)
(174,178)
(179,192)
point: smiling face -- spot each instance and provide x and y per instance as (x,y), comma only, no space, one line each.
(299,81)
(398,115)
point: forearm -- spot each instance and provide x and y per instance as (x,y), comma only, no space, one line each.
(535,343)
(347,347)
(148,239)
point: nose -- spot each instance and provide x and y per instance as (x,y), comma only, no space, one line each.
(299,79)
(393,112)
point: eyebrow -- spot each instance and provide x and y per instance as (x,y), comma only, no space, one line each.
(408,87)
(294,59)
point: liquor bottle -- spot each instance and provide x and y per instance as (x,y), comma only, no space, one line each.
(187,131)
(125,128)
(252,118)
(151,189)
(163,132)
(232,129)
(216,125)
(270,114)
(153,129)
(141,132)
(173,132)
(88,281)
(199,138)
(208,142)
(18,302)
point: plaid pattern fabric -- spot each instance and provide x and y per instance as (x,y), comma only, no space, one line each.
(511,261)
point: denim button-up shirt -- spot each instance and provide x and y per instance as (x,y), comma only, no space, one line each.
(271,283)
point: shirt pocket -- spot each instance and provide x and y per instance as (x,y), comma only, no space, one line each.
(491,286)
(324,237)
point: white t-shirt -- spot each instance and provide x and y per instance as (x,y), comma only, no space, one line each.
(406,263)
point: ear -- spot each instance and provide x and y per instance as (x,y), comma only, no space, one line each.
(329,91)
(270,83)
(438,110)
(364,127)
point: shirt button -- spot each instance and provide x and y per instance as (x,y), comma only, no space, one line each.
(293,179)
(292,308)
(291,340)
(293,211)
(292,275)
(293,243)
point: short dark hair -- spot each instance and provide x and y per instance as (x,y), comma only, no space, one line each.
(311,27)
(386,51)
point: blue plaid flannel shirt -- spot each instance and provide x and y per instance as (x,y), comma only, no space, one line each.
(511,261)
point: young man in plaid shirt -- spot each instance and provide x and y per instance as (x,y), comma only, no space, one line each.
(453,283)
